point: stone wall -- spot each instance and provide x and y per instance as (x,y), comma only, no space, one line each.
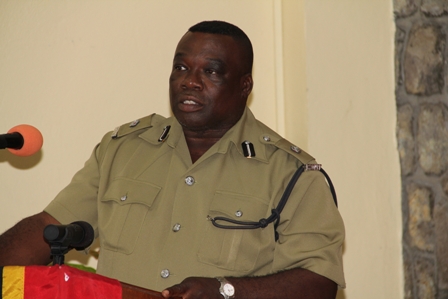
(422,133)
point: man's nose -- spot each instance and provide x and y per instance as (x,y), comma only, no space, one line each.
(192,80)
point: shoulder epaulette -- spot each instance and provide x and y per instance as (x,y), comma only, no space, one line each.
(138,124)
(294,150)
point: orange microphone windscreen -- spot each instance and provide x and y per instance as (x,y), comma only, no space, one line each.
(32,140)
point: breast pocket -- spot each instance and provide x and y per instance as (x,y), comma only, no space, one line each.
(236,249)
(123,210)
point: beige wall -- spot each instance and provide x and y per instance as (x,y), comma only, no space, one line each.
(351,94)
(323,77)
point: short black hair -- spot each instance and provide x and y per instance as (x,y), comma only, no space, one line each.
(224,28)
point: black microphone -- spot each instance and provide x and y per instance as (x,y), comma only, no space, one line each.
(22,140)
(11,140)
(78,235)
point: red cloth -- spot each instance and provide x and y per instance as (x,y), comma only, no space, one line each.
(62,282)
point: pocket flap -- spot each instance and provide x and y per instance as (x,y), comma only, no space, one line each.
(126,191)
(238,206)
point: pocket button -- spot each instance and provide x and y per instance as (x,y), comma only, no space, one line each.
(176,227)
(189,180)
(165,273)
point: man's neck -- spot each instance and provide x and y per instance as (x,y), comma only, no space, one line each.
(200,142)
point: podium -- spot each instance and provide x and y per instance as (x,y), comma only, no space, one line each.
(65,282)
(134,292)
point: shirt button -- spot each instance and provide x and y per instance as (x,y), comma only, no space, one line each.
(134,123)
(295,149)
(124,197)
(165,273)
(238,213)
(189,180)
(267,138)
(176,227)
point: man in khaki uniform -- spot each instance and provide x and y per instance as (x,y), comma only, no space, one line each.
(157,190)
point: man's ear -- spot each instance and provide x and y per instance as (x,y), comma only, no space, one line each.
(247,85)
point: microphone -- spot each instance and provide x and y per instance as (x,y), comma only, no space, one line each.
(78,235)
(22,140)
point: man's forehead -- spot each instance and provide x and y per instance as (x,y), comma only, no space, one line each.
(205,38)
(214,46)
(210,58)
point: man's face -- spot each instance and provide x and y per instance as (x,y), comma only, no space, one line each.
(208,86)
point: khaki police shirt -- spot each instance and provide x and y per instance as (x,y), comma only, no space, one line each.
(151,207)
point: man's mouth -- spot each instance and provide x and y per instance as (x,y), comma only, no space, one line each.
(189,102)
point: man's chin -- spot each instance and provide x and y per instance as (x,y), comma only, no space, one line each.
(192,124)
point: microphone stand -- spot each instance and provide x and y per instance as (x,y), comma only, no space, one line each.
(58,251)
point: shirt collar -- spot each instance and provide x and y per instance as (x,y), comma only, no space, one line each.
(246,129)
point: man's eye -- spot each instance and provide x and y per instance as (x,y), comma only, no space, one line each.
(211,72)
(180,68)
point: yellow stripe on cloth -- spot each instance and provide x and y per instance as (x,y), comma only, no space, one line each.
(13,282)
